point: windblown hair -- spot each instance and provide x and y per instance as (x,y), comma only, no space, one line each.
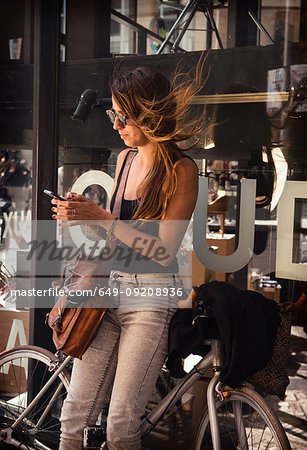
(159,108)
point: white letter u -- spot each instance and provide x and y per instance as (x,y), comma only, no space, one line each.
(244,250)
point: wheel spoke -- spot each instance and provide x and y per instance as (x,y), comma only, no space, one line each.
(246,422)
(268,445)
(21,371)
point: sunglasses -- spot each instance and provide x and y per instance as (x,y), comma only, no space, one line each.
(121,117)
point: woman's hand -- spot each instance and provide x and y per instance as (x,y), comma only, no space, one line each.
(187,303)
(78,208)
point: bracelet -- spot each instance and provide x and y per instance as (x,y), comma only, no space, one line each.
(110,232)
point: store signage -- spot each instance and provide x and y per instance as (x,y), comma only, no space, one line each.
(244,251)
(17,331)
(11,219)
(14,331)
(285,268)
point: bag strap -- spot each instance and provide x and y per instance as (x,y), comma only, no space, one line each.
(111,242)
(122,183)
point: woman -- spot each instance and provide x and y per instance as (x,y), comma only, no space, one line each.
(162,185)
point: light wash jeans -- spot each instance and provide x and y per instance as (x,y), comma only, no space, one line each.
(128,351)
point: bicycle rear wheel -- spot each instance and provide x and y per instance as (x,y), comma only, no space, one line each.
(23,373)
(245,421)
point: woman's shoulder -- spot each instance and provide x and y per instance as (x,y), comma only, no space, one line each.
(123,154)
(187,176)
(186,167)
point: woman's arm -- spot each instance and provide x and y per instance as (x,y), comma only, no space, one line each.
(172,227)
(63,209)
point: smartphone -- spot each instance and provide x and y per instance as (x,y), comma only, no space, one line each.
(53,195)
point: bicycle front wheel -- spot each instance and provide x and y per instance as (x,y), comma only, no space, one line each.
(245,422)
(23,373)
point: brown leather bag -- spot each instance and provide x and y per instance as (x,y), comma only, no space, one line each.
(74,328)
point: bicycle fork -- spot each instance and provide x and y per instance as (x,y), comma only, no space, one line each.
(215,388)
(213,421)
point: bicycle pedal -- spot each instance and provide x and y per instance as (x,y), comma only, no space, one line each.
(94,437)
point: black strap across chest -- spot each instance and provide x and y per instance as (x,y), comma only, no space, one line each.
(117,199)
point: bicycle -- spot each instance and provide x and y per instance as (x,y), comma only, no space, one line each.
(29,411)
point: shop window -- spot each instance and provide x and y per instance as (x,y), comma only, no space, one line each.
(123,38)
(280,18)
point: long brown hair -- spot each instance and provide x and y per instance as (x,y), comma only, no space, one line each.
(158,107)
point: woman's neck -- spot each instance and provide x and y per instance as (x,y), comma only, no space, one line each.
(145,156)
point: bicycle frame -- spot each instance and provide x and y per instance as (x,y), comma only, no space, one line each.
(212,359)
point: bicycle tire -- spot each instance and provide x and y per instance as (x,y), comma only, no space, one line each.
(18,377)
(261,426)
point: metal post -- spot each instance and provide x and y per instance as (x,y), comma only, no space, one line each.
(45,135)
(210,17)
(185,26)
(242,31)
(102,24)
(174,27)
(261,27)
(141,43)
(286,39)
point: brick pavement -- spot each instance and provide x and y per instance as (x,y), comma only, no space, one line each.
(292,410)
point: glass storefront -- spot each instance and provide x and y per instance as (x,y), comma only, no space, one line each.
(249,227)
(253,147)
(16,162)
